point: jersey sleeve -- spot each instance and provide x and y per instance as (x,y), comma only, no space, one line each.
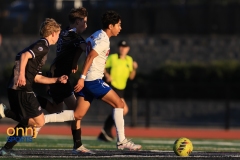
(38,49)
(100,45)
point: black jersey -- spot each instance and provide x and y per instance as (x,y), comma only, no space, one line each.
(34,65)
(69,43)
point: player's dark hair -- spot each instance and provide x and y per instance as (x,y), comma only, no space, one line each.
(110,17)
(77,13)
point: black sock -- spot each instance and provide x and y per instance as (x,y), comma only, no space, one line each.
(77,141)
(109,123)
(9,145)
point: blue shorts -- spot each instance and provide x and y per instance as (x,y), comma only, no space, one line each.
(94,89)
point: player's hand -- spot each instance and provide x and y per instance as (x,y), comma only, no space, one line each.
(63,79)
(21,81)
(74,70)
(79,86)
(135,65)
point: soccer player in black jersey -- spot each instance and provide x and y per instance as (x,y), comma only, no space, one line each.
(25,107)
(70,46)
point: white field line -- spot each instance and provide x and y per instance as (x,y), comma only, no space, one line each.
(218,143)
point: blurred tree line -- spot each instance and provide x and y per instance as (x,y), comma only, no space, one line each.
(214,80)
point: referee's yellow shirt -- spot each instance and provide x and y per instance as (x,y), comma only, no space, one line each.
(120,70)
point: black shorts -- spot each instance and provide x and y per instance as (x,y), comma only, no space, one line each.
(24,104)
(119,92)
(60,91)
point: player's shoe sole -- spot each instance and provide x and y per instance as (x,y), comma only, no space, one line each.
(82,150)
(128,144)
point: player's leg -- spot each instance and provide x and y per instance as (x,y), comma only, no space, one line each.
(82,106)
(13,112)
(106,132)
(24,105)
(57,92)
(115,101)
(7,150)
(75,125)
(63,93)
(50,107)
(99,89)
(7,112)
(35,112)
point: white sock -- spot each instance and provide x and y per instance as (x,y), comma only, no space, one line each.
(119,123)
(65,115)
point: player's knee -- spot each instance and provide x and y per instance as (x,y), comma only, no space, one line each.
(120,104)
(39,123)
(77,116)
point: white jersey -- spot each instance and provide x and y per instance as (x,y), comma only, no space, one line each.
(99,41)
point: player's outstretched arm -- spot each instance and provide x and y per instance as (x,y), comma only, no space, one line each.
(88,62)
(47,80)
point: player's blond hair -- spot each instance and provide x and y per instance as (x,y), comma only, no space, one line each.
(48,27)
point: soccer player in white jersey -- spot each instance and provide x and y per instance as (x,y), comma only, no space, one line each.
(91,86)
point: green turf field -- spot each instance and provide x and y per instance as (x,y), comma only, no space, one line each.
(154,145)
(65,142)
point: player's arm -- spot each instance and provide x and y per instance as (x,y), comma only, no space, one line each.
(76,58)
(46,80)
(107,69)
(21,81)
(88,62)
(133,72)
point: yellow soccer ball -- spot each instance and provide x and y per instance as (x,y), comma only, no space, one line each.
(183,147)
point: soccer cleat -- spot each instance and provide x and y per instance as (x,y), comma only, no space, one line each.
(128,144)
(82,150)
(103,136)
(8,152)
(3,110)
